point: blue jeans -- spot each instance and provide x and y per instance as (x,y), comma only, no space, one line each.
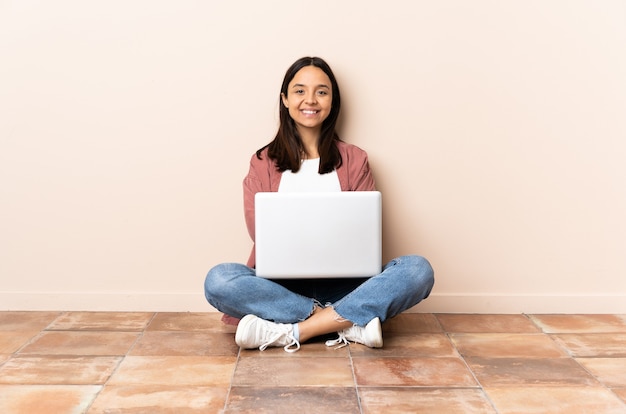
(235,290)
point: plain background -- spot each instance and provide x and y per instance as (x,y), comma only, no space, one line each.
(496,131)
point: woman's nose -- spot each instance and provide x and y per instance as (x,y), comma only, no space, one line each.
(310,98)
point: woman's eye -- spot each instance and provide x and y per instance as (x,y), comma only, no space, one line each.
(299,91)
(322,93)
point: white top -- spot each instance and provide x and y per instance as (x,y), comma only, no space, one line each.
(308,179)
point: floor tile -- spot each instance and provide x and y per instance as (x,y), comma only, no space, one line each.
(593,345)
(12,341)
(190,322)
(101,321)
(403,345)
(187,363)
(621,393)
(424,400)
(492,372)
(555,400)
(292,371)
(164,399)
(48,399)
(58,370)
(610,371)
(411,323)
(413,372)
(505,345)
(288,400)
(308,350)
(81,343)
(174,370)
(26,321)
(486,323)
(185,343)
(580,323)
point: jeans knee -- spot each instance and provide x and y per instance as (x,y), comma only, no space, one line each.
(216,280)
(209,284)
(422,272)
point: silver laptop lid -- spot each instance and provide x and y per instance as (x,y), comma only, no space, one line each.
(318,235)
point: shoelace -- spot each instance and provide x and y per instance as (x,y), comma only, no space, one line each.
(340,340)
(276,335)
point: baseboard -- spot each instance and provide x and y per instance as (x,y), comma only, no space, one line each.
(114,301)
(515,304)
(195,302)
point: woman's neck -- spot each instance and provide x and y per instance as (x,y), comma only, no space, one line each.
(310,142)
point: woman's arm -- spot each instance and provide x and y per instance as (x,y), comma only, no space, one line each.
(354,173)
(251,185)
(363,180)
(262,177)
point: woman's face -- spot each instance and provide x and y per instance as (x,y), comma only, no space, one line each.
(309,98)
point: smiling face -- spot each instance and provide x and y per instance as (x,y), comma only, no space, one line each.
(309,99)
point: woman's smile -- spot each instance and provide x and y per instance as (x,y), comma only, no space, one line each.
(309,112)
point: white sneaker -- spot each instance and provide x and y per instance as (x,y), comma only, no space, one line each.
(253,332)
(371,335)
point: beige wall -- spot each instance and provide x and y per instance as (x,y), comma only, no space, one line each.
(496,130)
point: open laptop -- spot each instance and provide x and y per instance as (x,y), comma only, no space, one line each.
(318,235)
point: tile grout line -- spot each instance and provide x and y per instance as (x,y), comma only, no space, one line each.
(569,348)
(37,335)
(356,385)
(462,357)
(576,360)
(570,354)
(122,358)
(232,380)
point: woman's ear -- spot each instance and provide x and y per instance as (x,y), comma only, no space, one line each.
(284,98)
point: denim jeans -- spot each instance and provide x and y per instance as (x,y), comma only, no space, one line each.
(235,290)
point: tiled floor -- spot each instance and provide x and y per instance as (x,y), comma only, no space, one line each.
(77,362)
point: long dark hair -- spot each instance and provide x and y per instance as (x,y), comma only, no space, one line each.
(286,148)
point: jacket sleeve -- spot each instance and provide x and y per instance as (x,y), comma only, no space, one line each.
(363,178)
(252,184)
(262,177)
(355,171)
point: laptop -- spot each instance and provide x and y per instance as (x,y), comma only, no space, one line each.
(318,235)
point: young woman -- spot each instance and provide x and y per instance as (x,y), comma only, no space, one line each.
(307,155)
